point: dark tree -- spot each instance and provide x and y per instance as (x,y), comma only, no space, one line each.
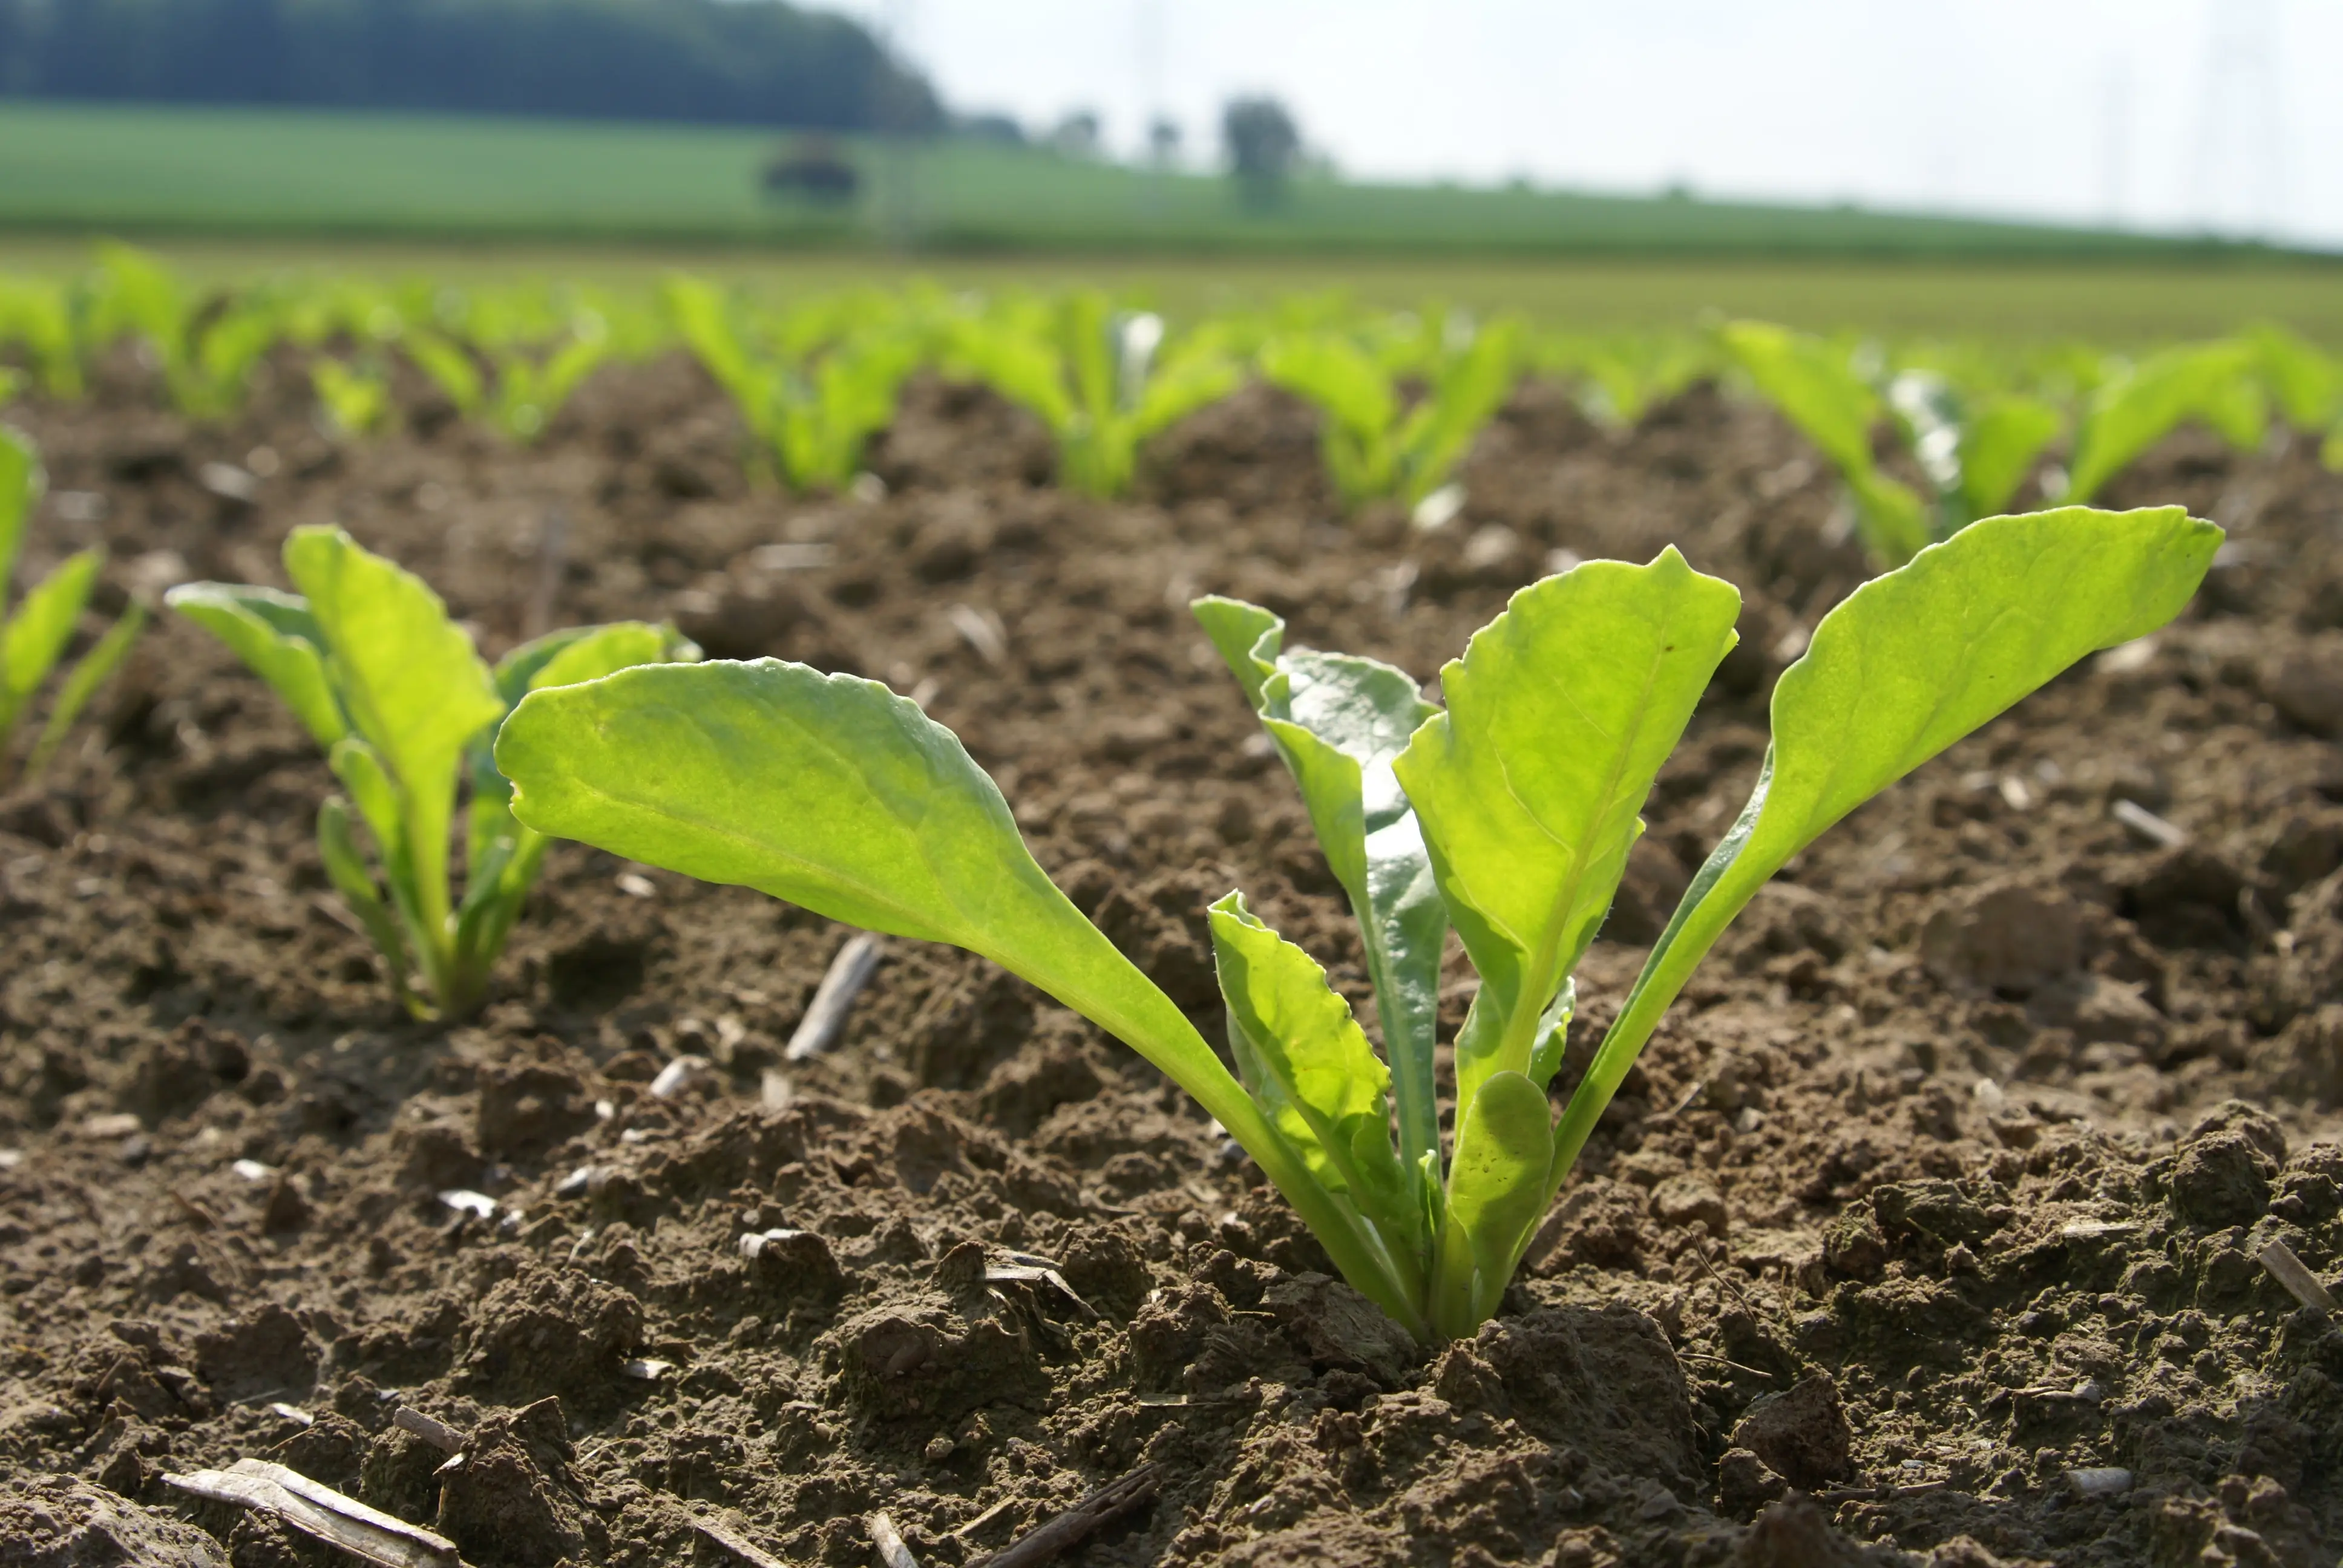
(723,62)
(1076,135)
(1262,145)
(1163,141)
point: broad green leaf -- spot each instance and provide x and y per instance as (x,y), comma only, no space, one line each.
(703,320)
(834,793)
(1337,376)
(278,638)
(83,682)
(36,637)
(1339,723)
(1559,716)
(1236,629)
(1086,335)
(1023,370)
(1465,398)
(1304,1037)
(579,653)
(409,679)
(1182,387)
(2003,438)
(1811,382)
(21,484)
(830,791)
(447,367)
(2307,382)
(1904,666)
(2131,413)
(1497,1187)
(558,659)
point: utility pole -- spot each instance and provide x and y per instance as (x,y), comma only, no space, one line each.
(2115,140)
(899,131)
(1146,34)
(2240,174)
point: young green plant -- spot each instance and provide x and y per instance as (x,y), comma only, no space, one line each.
(368,659)
(1102,380)
(1374,444)
(2220,383)
(1508,817)
(811,397)
(32,640)
(1815,387)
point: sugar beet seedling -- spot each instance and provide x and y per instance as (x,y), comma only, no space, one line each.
(406,709)
(1508,817)
(32,640)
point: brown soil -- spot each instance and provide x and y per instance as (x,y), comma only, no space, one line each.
(1946,1179)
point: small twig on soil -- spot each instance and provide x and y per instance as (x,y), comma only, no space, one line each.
(552,555)
(1027,1274)
(889,1541)
(732,1541)
(1837,1494)
(1079,1523)
(1722,1362)
(320,1510)
(1701,1252)
(1691,1098)
(985,1518)
(825,1016)
(2290,1271)
(197,1214)
(437,1434)
(2146,825)
(983,632)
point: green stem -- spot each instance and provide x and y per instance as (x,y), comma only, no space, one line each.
(1723,886)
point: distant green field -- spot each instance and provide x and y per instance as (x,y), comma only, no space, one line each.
(309,172)
(2116,304)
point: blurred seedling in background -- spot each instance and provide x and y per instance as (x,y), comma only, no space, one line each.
(368,659)
(34,637)
(813,386)
(1377,443)
(1102,380)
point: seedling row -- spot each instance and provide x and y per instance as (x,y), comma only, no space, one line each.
(1925,436)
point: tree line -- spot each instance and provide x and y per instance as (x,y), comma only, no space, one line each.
(726,62)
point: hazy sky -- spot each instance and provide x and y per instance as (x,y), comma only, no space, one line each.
(2157,113)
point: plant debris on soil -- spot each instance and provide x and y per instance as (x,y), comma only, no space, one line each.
(1931,1230)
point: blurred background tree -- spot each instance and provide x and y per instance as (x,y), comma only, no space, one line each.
(1262,145)
(722,62)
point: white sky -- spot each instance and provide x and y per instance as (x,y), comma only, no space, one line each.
(2163,114)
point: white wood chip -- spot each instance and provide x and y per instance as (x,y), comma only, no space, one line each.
(825,1016)
(2291,1271)
(2103,1481)
(2147,825)
(889,1541)
(321,1512)
(437,1434)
